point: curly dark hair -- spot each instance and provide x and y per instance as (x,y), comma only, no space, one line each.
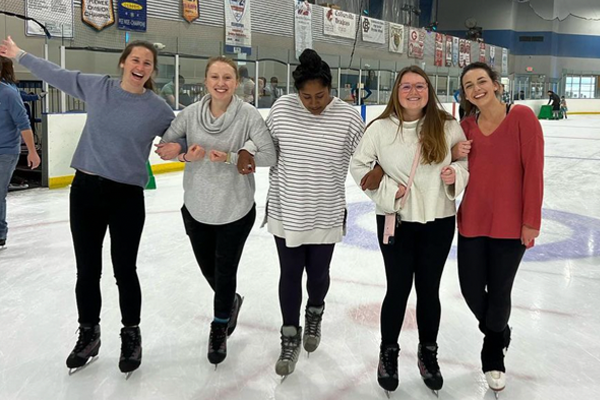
(311,67)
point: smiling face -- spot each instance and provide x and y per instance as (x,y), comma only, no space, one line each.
(137,68)
(314,96)
(221,81)
(479,88)
(413,94)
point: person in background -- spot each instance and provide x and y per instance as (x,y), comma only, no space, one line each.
(14,125)
(275,90)
(168,93)
(554,100)
(245,89)
(563,107)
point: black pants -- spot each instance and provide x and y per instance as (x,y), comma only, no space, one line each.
(419,250)
(97,204)
(487,268)
(316,258)
(218,250)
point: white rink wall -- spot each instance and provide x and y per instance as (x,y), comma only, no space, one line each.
(62,132)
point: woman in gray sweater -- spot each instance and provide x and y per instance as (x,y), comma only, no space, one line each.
(219,211)
(123,118)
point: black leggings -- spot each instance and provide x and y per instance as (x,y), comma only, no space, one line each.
(419,250)
(96,204)
(218,250)
(487,268)
(316,258)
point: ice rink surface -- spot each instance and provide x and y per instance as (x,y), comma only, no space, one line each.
(555,353)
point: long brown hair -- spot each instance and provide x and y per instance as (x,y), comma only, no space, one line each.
(432,135)
(494,76)
(147,45)
(7,72)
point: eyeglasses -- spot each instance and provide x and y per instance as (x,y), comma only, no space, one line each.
(407,87)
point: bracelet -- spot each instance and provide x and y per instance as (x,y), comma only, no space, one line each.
(184,159)
(20,55)
(228,159)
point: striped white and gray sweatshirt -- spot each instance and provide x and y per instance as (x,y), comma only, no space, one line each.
(307,196)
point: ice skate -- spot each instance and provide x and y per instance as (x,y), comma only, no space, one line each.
(2,244)
(235,311)
(312,328)
(496,380)
(131,350)
(86,349)
(387,370)
(429,367)
(492,359)
(290,351)
(217,343)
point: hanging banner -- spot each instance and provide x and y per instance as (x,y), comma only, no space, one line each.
(492,56)
(416,44)
(238,27)
(455,51)
(504,61)
(373,30)
(439,50)
(339,23)
(467,52)
(482,52)
(396,38)
(448,51)
(303,26)
(191,10)
(462,53)
(132,15)
(56,15)
(97,13)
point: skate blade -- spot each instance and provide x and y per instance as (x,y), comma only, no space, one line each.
(387,393)
(128,375)
(75,370)
(436,392)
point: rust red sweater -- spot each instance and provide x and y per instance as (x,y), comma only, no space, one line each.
(506,185)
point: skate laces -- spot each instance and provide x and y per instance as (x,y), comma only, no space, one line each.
(130,340)
(313,322)
(85,337)
(429,358)
(289,345)
(218,334)
(389,359)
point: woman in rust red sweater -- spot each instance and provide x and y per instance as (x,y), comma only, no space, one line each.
(501,212)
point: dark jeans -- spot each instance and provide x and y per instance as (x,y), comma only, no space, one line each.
(218,250)
(316,258)
(97,204)
(419,250)
(487,268)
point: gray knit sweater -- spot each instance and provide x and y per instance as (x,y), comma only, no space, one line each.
(215,192)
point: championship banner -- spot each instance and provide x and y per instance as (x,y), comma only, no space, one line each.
(482,52)
(339,23)
(462,51)
(132,15)
(448,51)
(504,61)
(190,9)
(416,44)
(467,52)
(373,30)
(439,50)
(396,38)
(303,26)
(492,56)
(455,51)
(57,16)
(238,27)
(97,13)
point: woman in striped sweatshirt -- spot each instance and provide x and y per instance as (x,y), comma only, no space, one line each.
(315,135)
(413,119)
